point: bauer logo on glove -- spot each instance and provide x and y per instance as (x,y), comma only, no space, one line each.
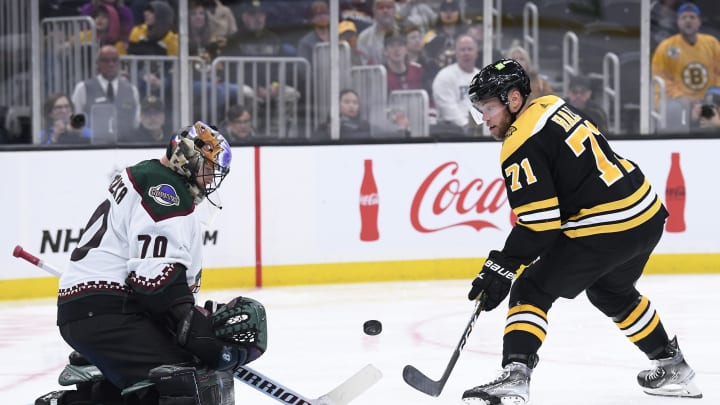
(499,269)
(494,280)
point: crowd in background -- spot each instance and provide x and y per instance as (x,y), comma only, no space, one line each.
(432,45)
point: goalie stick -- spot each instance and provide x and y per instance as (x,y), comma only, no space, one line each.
(347,391)
(416,379)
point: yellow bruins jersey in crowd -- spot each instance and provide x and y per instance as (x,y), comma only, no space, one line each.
(562,176)
(688,70)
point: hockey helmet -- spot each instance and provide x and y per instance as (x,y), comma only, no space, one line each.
(497,79)
(200,151)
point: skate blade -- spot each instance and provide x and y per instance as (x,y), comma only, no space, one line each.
(689,390)
(511,400)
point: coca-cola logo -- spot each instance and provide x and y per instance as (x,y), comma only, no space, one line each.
(369,199)
(442,201)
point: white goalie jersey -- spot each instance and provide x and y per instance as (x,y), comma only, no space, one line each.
(137,237)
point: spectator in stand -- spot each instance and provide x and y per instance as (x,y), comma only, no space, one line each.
(687,62)
(348,33)
(58,123)
(413,41)
(238,126)
(448,28)
(109,88)
(579,95)
(359,12)
(152,129)
(202,41)
(418,13)
(539,84)
(107,28)
(450,86)
(155,36)
(254,39)
(401,74)
(663,21)
(127,21)
(354,127)
(370,40)
(320,31)
(707,115)
(222,21)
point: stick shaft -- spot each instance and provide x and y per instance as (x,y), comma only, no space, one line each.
(416,379)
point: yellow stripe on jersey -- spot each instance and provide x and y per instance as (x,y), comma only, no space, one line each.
(620,226)
(617,205)
(615,216)
(537,113)
(527,318)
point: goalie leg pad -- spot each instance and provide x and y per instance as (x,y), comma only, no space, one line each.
(176,385)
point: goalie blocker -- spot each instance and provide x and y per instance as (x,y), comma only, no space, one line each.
(234,334)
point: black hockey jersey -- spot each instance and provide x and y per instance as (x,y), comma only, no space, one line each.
(561,175)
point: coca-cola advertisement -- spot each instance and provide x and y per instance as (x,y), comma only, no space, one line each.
(675,196)
(369,205)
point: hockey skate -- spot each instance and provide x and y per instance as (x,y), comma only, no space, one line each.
(671,377)
(511,387)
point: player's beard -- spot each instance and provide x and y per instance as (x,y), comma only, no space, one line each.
(500,131)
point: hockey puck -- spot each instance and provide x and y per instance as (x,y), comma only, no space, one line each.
(372,327)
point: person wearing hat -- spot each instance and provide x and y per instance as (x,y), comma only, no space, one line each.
(155,35)
(152,124)
(348,33)
(580,96)
(401,74)
(688,60)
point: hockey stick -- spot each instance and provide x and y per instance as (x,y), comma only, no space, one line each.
(23,254)
(416,379)
(340,395)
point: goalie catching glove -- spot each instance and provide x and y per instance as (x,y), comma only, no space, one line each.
(494,280)
(234,335)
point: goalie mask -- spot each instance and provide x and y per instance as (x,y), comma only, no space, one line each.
(201,155)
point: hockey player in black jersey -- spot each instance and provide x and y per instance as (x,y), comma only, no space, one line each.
(588,220)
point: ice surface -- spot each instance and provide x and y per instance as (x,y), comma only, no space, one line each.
(316,340)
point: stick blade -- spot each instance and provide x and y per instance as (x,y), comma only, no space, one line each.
(352,387)
(416,379)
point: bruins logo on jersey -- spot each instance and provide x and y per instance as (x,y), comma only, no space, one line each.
(695,76)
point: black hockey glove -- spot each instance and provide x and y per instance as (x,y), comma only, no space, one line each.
(494,280)
(196,334)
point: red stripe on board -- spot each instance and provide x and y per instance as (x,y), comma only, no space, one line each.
(258,222)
